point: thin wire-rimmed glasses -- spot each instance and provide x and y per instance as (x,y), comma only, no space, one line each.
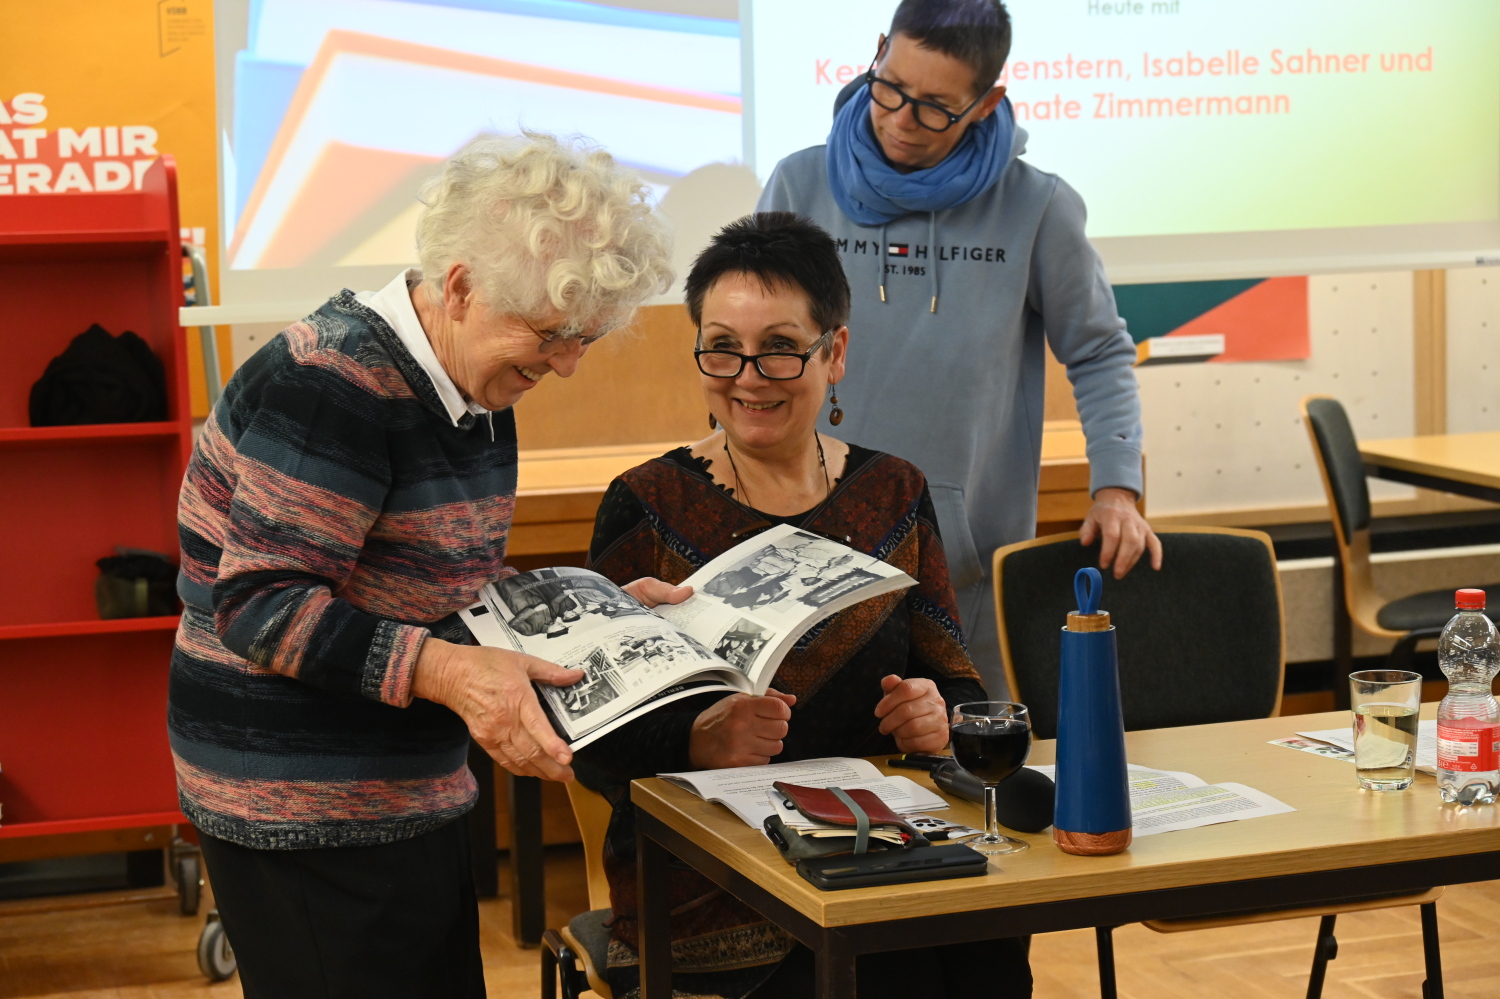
(566,337)
(933,117)
(777,366)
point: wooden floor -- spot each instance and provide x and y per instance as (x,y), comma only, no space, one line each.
(144,950)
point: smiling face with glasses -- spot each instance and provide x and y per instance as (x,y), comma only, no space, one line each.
(766,365)
(922,102)
(495,357)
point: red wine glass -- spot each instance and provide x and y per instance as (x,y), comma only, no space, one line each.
(991,740)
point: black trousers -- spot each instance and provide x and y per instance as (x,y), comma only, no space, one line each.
(398,920)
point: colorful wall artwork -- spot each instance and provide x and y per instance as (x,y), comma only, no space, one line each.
(1261,319)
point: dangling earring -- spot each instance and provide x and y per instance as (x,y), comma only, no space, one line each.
(835,415)
(713,424)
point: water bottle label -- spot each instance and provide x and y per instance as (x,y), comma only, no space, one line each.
(1468,750)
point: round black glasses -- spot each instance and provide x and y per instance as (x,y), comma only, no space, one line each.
(933,117)
(779,367)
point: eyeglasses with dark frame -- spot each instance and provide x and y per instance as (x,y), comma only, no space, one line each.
(893,98)
(777,366)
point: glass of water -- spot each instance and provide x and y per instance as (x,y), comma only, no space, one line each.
(1385,703)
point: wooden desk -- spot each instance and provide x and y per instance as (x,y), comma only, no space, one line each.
(1340,843)
(1467,464)
(558,491)
(1063,498)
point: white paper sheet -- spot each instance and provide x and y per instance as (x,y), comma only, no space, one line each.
(1426,742)
(1191,807)
(1166,800)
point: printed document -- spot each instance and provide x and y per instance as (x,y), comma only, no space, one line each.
(1166,800)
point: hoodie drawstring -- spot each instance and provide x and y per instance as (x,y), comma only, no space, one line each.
(492,426)
(933,250)
(883,248)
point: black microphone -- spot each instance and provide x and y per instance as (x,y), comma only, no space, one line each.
(1023,801)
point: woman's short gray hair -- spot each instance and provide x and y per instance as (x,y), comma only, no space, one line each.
(544,223)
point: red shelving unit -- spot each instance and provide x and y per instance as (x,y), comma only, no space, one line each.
(83,702)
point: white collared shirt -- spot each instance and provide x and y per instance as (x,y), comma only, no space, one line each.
(393,304)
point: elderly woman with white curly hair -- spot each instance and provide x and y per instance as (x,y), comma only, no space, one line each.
(350,493)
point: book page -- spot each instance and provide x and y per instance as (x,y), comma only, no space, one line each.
(549,609)
(752,603)
(747,791)
(701,684)
(580,620)
(621,667)
(823,772)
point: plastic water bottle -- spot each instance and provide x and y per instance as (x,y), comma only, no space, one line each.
(1469,717)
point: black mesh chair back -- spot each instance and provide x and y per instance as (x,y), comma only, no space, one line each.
(1339,450)
(1199,641)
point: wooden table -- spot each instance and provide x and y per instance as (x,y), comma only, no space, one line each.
(1466,464)
(558,491)
(1342,842)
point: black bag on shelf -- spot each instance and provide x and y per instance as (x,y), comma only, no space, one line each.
(135,582)
(101,379)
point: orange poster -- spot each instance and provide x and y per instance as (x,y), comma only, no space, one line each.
(91,93)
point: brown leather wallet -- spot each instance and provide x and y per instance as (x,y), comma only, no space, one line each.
(821,804)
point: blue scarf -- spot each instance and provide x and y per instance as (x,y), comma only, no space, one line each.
(873,192)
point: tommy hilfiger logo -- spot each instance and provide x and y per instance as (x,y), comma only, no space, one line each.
(920,251)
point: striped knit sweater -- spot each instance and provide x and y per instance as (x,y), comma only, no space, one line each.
(332,517)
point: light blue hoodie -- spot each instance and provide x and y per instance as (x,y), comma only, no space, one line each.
(946,361)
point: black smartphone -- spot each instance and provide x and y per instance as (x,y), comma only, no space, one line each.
(893,867)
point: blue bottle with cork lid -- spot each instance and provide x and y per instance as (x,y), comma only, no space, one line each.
(1093,792)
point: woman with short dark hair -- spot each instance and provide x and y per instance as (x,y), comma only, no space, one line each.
(770,301)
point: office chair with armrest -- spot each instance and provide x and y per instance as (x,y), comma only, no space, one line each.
(577,954)
(1199,641)
(1406,621)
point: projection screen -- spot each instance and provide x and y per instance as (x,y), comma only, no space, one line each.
(1209,139)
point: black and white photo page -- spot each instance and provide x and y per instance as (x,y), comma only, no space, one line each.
(752,604)
(748,609)
(581,620)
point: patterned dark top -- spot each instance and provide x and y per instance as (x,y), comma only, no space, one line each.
(332,517)
(667,518)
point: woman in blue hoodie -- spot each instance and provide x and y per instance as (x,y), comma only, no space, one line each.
(962,259)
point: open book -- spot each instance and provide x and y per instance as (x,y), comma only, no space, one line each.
(749,607)
(747,791)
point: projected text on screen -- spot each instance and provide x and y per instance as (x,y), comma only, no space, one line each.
(1194,116)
